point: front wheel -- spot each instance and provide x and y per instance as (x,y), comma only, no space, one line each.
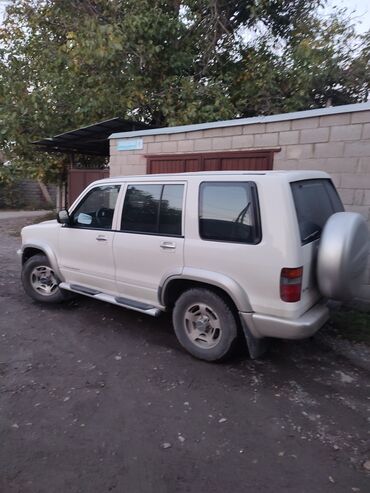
(40,282)
(205,324)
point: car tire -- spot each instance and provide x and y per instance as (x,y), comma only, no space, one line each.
(40,282)
(205,325)
(342,256)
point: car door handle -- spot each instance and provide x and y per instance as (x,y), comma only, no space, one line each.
(168,245)
(101,238)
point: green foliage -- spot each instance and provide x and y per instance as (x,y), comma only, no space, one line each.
(9,196)
(68,63)
(352,324)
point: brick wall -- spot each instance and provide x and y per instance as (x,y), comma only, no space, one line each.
(337,143)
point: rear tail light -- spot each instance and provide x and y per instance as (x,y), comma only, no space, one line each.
(291,284)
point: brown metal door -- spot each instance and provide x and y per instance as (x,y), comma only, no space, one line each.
(253,161)
(174,163)
(227,161)
(211,163)
(78,179)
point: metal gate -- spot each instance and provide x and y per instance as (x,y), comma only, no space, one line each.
(212,161)
(78,179)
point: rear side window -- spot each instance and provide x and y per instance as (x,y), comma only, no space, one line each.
(153,209)
(315,201)
(228,212)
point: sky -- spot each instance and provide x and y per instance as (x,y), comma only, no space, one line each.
(361,9)
(2,7)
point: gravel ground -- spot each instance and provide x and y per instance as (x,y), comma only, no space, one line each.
(95,398)
(7,214)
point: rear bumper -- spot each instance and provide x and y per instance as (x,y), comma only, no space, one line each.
(300,328)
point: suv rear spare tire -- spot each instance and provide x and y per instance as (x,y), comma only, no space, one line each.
(342,256)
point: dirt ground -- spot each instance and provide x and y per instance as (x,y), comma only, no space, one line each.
(95,398)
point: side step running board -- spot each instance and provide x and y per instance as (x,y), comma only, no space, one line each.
(83,289)
(119,301)
(133,304)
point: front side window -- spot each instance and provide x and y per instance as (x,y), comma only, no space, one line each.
(315,201)
(96,209)
(153,209)
(228,212)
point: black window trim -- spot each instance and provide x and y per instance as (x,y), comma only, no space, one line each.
(256,211)
(149,234)
(162,184)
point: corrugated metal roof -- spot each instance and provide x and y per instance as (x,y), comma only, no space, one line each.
(297,115)
(92,140)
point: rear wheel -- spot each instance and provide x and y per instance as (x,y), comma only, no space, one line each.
(205,324)
(40,281)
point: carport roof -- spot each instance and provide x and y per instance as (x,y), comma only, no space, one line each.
(91,140)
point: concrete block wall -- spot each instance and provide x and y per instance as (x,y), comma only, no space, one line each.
(25,194)
(336,143)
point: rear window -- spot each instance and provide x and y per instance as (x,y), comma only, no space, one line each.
(229,212)
(315,201)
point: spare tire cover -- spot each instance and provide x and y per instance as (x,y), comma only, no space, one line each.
(342,256)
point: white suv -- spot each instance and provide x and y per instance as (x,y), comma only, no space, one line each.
(230,253)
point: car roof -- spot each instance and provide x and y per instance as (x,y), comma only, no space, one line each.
(287,175)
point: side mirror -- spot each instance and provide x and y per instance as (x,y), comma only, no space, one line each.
(63,217)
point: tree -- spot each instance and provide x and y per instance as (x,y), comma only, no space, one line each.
(323,63)
(68,63)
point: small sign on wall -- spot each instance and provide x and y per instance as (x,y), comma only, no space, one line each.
(129,144)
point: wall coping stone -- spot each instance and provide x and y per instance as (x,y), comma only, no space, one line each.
(297,115)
